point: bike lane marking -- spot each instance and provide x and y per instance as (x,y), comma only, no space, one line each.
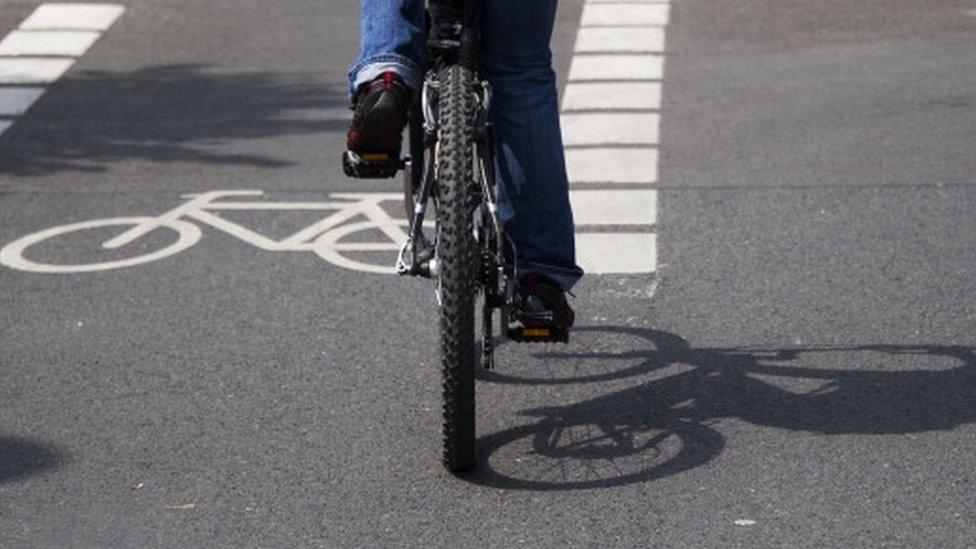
(611,119)
(44,48)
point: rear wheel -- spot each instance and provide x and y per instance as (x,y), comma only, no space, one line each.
(458,263)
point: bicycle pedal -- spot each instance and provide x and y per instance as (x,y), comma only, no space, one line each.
(379,165)
(534,334)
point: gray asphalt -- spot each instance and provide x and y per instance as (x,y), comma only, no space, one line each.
(804,358)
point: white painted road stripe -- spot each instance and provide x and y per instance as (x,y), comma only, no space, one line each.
(622,15)
(625,207)
(620,39)
(53,43)
(16,101)
(97,17)
(583,129)
(617,253)
(36,53)
(627,1)
(616,67)
(642,96)
(32,71)
(612,165)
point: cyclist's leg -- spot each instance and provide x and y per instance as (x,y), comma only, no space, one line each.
(392,38)
(533,185)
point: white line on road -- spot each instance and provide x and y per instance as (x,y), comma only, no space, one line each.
(55,43)
(623,15)
(642,96)
(32,71)
(59,32)
(616,207)
(617,253)
(612,165)
(97,17)
(16,101)
(618,66)
(585,129)
(620,39)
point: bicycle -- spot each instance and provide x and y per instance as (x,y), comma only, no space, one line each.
(450,163)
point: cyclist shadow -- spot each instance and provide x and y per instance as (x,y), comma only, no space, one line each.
(20,457)
(664,426)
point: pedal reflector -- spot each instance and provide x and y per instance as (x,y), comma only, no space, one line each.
(375,157)
(536,334)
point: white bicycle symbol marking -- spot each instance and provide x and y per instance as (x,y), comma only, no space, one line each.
(324,237)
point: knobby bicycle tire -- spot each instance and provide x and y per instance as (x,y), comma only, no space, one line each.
(457,256)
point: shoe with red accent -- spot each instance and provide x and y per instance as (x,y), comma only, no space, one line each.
(375,138)
(540,303)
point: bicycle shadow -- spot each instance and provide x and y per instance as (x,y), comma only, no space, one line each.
(664,427)
(22,457)
(166,114)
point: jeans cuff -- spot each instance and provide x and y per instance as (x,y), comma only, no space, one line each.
(371,67)
(564,277)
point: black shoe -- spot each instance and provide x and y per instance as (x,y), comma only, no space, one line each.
(542,304)
(381,113)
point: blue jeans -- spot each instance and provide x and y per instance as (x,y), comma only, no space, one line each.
(533,188)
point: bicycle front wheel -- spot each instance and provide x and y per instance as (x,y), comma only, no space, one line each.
(456,253)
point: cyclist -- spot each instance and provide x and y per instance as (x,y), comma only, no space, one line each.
(533,188)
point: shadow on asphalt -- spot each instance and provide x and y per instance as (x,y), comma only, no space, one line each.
(167,113)
(21,457)
(664,426)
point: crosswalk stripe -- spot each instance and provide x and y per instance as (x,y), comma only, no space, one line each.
(16,101)
(644,96)
(627,1)
(611,124)
(32,71)
(614,207)
(585,129)
(620,39)
(41,51)
(617,253)
(612,165)
(622,15)
(53,43)
(616,67)
(73,16)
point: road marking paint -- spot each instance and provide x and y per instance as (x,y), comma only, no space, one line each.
(617,207)
(33,71)
(57,31)
(332,237)
(620,39)
(97,17)
(642,96)
(16,101)
(622,15)
(627,1)
(616,67)
(617,253)
(53,43)
(612,165)
(584,129)
(5,125)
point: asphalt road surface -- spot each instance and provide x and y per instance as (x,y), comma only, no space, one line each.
(799,369)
